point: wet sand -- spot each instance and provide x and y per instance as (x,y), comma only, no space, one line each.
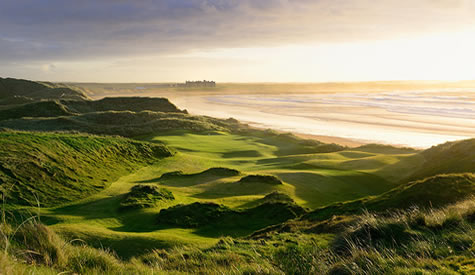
(417,118)
(411,119)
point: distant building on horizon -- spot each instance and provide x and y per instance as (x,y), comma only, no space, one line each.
(196,84)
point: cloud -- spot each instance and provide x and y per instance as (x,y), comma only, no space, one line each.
(75,30)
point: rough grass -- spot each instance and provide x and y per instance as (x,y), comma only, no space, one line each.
(276,197)
(432,241)
(99,221)
(211,172)
(123,123)
(217,216)
(56,108)
(434,191)
(10,87)
(450,157)
(133,104)
(52,169)
(260,179)
(38,109)
(145,196)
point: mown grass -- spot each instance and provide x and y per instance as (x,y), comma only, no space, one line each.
(226,180)
(206,177)
(200,162)
(311,180)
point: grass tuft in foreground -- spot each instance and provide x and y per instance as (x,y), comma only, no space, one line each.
(414,241)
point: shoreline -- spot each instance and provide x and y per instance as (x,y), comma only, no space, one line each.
(416,119)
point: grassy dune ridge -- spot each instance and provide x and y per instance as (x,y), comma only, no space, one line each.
(56,168)
(195,194)
(56,108)
(24,91)
(434,191)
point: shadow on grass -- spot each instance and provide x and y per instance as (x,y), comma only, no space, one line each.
(234,189)
(98,209)
(135,220)
(319,190)
(128,246)
(178,179)
(242,154)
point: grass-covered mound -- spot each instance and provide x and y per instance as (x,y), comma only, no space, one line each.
(450,157)
(200,214)
(211,172)
(133,104)
(276,196)
(58,168)
(10,87)
(37,109)
(55,108)
(436,191)
(123,123)
(144,196)
(404,242)
(259,179)
(388,149)
(197,214)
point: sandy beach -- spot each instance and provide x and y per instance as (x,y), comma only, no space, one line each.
(418,118)
(412,119)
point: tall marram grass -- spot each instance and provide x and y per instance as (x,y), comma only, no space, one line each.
(33,248)
(434,241)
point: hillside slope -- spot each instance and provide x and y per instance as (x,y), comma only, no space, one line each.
(55,108)
(37,109)
(450,157)
(133,104)
(58,168)
(436,191)
(10,87)
(124,123)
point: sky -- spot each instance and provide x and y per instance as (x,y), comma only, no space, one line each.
(237,41)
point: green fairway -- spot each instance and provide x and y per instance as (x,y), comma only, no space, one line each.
(311,180)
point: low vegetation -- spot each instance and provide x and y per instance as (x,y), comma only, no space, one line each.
(123,123)
(29,91)
(211,172)
(415,241)
(133,104)
(260,179)
(434,191)
(52,169)
(450,157)
(195,194)
(39,109)
(61,108)
(216,216)
(145,196)
(276,196)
